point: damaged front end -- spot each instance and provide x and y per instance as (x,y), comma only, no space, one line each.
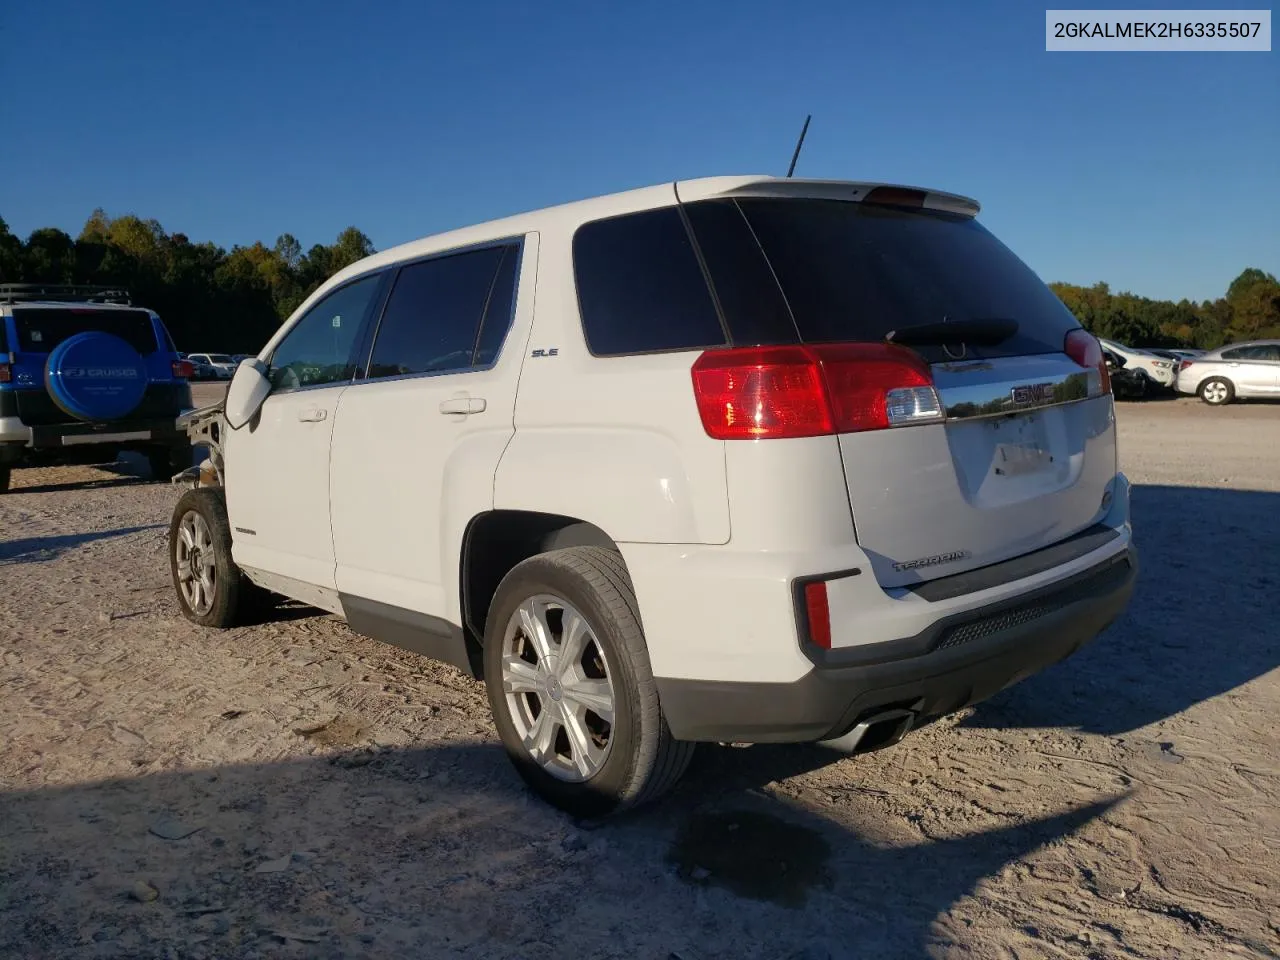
(205,427)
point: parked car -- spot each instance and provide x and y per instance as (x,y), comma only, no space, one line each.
(701,489)
(1126,384)
(1238,370)
(1162,370)
(85,374)
(221,363)
(200,370)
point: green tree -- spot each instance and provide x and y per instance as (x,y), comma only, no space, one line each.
(1254,298)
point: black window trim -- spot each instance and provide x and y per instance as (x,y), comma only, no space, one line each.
(517,242)
(702,269)
(375,303)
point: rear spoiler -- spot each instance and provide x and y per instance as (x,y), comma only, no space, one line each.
(778,187)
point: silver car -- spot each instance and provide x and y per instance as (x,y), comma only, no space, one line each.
(1238,370)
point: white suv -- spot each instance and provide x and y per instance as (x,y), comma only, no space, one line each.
(736,459)
(1160,369)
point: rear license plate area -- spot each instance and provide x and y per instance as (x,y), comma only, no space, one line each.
(1021,446)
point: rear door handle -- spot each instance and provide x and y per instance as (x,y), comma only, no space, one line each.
(462,405)
(313,415)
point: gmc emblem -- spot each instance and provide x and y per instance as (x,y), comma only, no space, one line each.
(1033,393)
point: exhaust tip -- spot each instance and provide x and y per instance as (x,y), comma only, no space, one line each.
(874,732)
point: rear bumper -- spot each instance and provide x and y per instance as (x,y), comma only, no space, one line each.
(18,440)
(968,658)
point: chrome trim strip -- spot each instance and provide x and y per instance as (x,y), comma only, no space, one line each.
(82,438)
(1000,388)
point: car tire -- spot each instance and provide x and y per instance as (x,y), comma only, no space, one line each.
(1217,391)
(200,526)
(5,473)
(589,764)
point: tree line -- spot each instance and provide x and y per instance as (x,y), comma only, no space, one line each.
(210,299)
(1250,310)
(231,301)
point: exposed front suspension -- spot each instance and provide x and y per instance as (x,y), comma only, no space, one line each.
(205,427)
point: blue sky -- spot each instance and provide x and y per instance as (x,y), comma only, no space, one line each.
(238,121)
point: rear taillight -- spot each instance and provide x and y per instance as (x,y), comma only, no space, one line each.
(1083,347)
(1184,364)
(818,613)
(6,373)
(809,391)
(183,369)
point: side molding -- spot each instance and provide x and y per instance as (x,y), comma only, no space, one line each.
(416,632)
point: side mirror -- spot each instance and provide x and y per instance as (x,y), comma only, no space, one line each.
(249,387)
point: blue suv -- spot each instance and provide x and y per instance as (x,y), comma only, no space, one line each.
(85,374)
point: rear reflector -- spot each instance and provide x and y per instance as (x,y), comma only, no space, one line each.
(755,393)
(1083,347)
(818,613)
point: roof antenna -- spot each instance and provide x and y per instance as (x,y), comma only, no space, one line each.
(799,143)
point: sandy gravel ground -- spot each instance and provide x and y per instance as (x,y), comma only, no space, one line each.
(292,790)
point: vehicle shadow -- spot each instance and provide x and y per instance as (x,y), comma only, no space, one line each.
(42,549)
(130,469)
(116,476)
(441,852)
(1202,621)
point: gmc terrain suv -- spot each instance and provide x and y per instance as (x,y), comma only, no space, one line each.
(739,459)
(83,374)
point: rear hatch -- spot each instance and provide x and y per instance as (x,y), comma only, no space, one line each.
(1008,442)
(40,329)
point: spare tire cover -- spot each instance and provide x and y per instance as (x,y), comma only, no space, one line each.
(95,376)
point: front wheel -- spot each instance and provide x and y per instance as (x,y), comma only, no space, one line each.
(571,688)
(211,589)
(1217,391)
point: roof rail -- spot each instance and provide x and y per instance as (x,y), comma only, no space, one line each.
(62,292)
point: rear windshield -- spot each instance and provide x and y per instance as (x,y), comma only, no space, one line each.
(787,271)
(39,331)
(856,271)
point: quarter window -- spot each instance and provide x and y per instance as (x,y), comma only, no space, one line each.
(640,287)
(320,348)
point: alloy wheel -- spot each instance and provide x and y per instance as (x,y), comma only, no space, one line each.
(558,688)
(197,573)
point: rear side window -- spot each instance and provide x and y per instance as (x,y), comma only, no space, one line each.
(1260,351)
(39,331)
(856,271)
(640,287)
(498,314)
(438,310)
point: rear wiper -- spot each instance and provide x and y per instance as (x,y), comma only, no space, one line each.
(984,332)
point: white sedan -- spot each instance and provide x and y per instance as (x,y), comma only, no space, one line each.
(223,365)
